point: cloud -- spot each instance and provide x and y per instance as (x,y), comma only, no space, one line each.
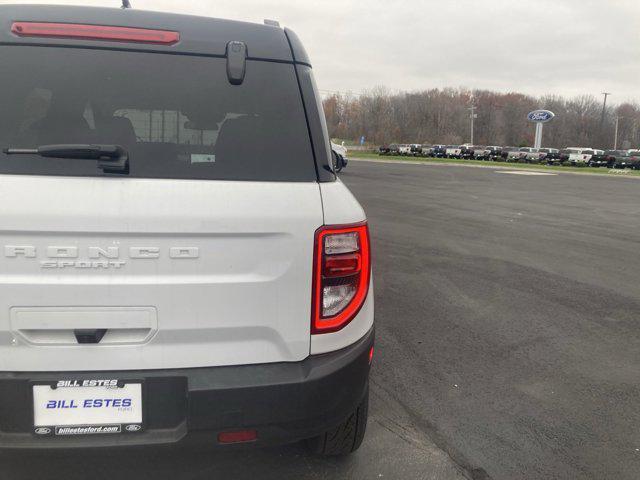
(565,47)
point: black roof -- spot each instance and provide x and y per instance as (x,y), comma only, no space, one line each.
(198,35)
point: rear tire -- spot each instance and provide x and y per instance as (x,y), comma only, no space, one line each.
(347,437)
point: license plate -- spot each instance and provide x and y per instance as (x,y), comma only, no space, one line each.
(87,407)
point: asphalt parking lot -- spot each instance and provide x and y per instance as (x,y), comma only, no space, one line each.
(507,311)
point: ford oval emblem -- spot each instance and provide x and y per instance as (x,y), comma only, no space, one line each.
(43,431)
(540,116)
(133,428)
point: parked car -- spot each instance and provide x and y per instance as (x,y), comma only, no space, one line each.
(439,151)
(528,154)
(416,149)
(524,151)
(384,150)
(541,155)
(565,154)
(453,151)
(633,160)
(404,150)
(550,156)
(510,154)
(427,151)
(394,149)
(481,153)
(621,159)
(492,152)
(161,287)
(466,151)
(582,157)
(605,159)
(339,154)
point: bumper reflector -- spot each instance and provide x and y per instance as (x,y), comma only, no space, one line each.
(238,436)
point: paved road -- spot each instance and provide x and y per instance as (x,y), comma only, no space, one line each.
(509,314)
(508,343)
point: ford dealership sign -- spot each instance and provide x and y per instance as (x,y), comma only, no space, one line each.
(540,116)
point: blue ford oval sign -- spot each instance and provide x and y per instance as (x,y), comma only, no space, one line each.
(540,116)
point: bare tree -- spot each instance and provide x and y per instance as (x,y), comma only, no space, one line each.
(442,116)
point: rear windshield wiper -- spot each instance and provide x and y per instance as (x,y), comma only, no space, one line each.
(111,158)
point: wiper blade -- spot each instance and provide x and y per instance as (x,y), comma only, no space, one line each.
(111,158)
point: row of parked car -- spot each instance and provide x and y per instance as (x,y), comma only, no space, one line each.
(571,156)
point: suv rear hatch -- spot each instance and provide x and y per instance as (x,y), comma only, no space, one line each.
(201,255)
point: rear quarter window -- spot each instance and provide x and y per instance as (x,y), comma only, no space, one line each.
(176,115)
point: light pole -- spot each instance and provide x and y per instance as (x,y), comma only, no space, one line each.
(604,105)
(601,134)
(615,138)
(472,116)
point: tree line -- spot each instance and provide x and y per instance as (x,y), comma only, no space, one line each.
(443,116)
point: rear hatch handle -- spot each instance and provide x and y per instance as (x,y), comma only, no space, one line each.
(90,336)
(111,158)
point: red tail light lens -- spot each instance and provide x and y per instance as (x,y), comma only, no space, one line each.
(95,32)
(342,270)
(342,265)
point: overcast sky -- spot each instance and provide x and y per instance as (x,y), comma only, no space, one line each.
(565,47)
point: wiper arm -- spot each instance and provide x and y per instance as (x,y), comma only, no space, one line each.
(111,158)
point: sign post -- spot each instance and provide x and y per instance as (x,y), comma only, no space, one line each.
(539,117)
(538,139)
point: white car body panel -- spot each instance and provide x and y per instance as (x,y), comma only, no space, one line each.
(213,272)
(339,204)
(354,331)
(341,207)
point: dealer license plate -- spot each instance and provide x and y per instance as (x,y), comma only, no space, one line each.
(87,407)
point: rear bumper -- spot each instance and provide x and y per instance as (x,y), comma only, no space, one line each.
(284,402)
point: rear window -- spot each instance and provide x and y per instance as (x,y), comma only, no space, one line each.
(177,116)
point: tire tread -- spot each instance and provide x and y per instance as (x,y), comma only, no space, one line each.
(347,437)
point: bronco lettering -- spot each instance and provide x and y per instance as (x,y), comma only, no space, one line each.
(98,257)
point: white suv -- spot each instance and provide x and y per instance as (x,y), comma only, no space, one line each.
(168,268)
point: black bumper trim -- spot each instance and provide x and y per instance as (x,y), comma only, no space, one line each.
(284,402)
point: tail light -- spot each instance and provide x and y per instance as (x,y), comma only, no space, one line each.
(341,273)
(95,32)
